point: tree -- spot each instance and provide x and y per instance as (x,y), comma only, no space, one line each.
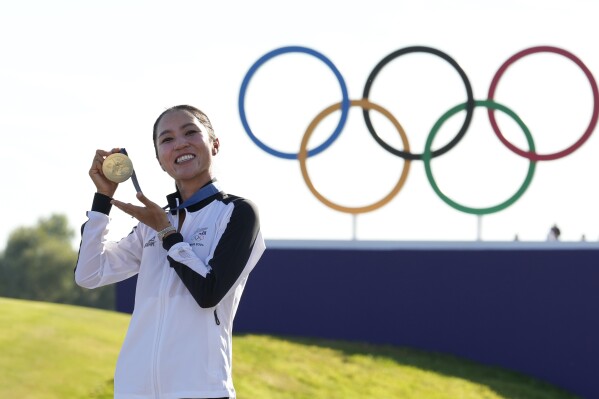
(38,264)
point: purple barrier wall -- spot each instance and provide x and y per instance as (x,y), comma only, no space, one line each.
(531,308)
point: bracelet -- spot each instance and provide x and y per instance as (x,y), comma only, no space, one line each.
(165,231)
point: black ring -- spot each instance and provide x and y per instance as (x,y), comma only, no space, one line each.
(469,101)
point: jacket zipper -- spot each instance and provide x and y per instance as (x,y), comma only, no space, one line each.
(216,320)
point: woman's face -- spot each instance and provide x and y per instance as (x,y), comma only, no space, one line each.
(185,148)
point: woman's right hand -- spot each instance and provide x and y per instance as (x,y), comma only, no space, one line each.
(103,185)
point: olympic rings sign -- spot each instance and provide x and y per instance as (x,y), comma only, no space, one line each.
(469,105)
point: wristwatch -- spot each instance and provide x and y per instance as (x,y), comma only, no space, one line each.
(165,231)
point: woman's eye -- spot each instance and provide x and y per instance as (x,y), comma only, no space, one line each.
(190,132)
(165,140)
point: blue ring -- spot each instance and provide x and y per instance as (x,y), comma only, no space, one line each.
(344,103)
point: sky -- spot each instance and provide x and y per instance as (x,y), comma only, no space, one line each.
(77,76)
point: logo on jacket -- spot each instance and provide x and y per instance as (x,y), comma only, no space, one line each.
(199,235)
(150,242)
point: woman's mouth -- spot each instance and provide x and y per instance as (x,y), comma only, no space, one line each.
(184,158)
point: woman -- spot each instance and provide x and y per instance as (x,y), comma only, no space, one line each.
(192,264)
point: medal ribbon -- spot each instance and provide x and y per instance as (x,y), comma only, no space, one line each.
(133,176)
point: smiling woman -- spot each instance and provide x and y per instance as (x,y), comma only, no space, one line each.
(192,264)
(185,143)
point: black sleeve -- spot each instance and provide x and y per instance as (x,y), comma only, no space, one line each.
(102,204)
(230,257)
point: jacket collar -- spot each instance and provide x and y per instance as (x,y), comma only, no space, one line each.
(199,199)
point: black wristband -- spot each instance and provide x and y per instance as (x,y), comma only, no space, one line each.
(102,203)
(171,240)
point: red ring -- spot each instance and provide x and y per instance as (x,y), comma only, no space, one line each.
(533,156)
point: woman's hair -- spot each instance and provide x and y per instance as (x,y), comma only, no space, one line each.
(202,117)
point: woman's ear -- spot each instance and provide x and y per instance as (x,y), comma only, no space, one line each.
(215,146)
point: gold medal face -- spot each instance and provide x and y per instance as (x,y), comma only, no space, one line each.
(117,167)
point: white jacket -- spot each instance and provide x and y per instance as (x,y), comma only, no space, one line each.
(178,344)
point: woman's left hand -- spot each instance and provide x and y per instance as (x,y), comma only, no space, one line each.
(151,214)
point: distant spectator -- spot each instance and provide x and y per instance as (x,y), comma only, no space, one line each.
(554,233)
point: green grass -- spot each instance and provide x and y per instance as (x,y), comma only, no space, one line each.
(56,351)
(59,351)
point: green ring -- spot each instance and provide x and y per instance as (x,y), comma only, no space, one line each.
(427,158)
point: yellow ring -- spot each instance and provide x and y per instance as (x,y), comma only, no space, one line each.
(303,155)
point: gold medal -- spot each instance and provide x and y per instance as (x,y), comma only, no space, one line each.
(117,167)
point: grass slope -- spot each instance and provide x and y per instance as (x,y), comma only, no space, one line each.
(53,351)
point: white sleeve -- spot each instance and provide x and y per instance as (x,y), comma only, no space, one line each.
(182,253)
(102,262)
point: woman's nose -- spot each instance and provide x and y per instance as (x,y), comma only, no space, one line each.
(181,143)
